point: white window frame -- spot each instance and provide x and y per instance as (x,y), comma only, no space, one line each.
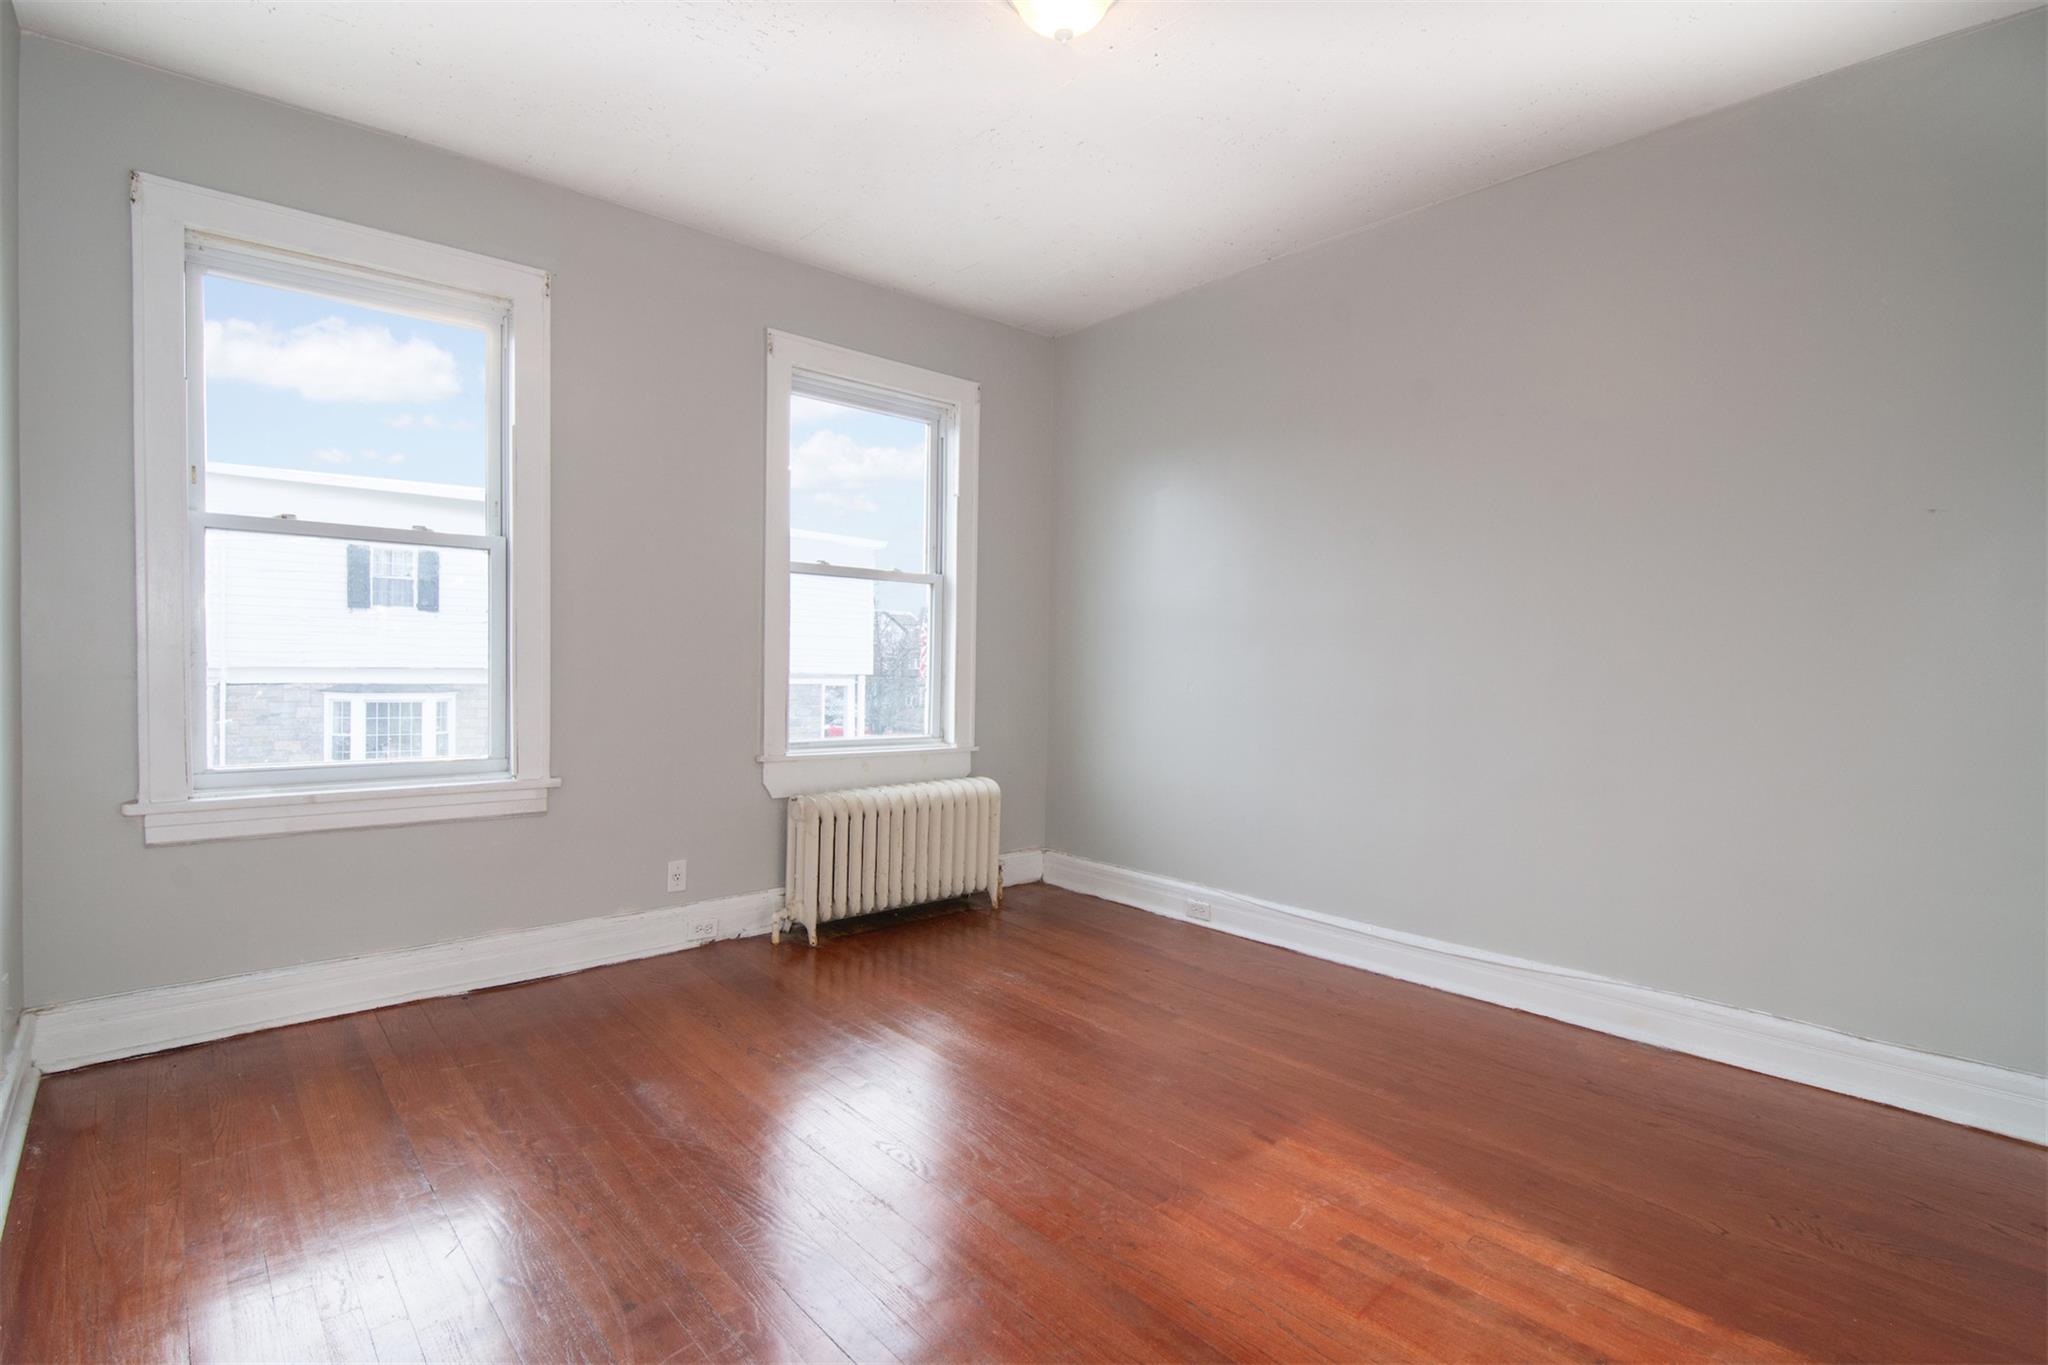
(178,800)
(791,769)
(429,722)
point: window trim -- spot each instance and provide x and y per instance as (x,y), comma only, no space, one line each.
(787,769)
(172,804)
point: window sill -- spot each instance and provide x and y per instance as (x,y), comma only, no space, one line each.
(801,774)
(247,815)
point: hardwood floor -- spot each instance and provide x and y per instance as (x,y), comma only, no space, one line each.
(1071,1130)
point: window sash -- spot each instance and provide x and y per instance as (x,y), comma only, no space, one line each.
(935,417)
(209,255)
(934,666)
(345,530)
(206,778)
(816,570)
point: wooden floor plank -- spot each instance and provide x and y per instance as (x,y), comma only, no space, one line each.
(1068,1131)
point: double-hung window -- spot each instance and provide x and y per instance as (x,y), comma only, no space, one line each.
(342,496)
(870,570)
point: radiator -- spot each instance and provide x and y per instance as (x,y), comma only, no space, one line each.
(882,848)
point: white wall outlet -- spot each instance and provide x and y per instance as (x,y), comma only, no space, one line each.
(1201,910)
(704,928)
(679,874)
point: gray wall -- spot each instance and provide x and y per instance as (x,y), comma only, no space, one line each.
(10,559)
(1637,566)
(657,534)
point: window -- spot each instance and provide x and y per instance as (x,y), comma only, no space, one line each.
(379,727)
(870,561)
(341,730)
(342,458)
(394,576)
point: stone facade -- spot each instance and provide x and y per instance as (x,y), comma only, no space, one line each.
(273,724)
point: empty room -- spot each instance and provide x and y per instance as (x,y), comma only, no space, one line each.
(1023,680)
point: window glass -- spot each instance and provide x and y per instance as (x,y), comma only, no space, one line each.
(304,632)
(341,731)
(859,658)
(394,576)
(391,730)
(859,490)
(338,412)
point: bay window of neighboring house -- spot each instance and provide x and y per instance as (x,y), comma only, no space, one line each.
(342,464)
(871,471)
(375,727)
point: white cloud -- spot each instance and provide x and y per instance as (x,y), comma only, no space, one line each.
(331,361)
(427,421)
(333,456)
(832,457)
(847,502)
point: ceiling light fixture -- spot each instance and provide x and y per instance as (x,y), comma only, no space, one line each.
(1061,20)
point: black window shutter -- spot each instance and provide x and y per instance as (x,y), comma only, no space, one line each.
(429,598)
(358,577)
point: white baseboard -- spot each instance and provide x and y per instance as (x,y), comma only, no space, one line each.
(87,1031)
(1025,865)
(18,1077)
(2010,1102)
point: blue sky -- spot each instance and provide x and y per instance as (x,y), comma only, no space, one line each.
(297,381)
(859,473)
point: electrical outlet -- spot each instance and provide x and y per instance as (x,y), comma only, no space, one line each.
(679,874)
(704,928)
(1201,910)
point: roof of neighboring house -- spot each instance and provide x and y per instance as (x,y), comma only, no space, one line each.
(363,482)
(835,538)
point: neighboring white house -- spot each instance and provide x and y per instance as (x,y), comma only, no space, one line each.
(831,638)
(326,651)
(340,651)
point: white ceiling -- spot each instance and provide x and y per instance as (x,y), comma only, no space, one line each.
(945,150)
